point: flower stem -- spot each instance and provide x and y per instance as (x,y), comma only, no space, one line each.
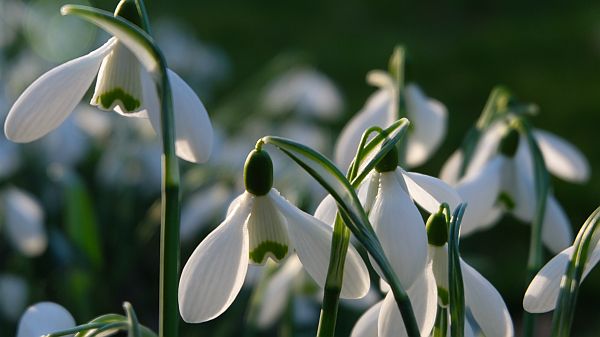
(440,329)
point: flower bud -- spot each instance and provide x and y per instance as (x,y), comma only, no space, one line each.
(437,229)
(258,172)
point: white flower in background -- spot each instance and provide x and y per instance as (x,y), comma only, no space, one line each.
(123,85)
(427,117)
(67,145)
(13,295)
(10,158)
(384,319)
(43,318)
(542,293)
(499,180)
(24,222)
(260,224)
(201,207)
(305,91)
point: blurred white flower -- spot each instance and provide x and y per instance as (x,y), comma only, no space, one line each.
(10,157)
(123,85)
(201,207)
(305,91)
(542,293)
(43,318)
(13,295)
(66,145)
(427,117)
(24,221)
(495,182)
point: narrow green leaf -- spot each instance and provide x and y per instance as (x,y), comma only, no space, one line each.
(138,41)
(133,326)
(457,296)
(569,287)
(81,224)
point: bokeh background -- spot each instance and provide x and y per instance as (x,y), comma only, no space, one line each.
(100,173)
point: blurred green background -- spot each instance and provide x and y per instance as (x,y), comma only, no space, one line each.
(545,52)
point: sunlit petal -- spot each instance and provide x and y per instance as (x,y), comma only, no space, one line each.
(43,318)
(562,158)
(430,192)
(327,210)
(46,103)
(486,147)
(486,304)
(267,231)
(400,229)
(366,326)
(423,299)
(428,120)
(312,240)
(542,293)
(25,222)
(556,229)
(214,274)
(451,170)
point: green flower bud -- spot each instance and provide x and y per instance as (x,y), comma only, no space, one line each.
(509,143)
(437,229)
(128,10)
(258,172)
(389,162)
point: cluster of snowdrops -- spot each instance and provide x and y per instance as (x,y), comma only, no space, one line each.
(377,215)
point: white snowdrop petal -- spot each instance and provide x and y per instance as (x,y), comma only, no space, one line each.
(214,273)
(24,222)
(451,170)
(312,240)
(267,231)
(480,191)
(519,184)
(193,130)
(366,326)
(47,102)
(430,192)
(423,299)
(428,119)
(277,292)
(327,210)
(486,304)
(486,147)
(43,318)
(562,158)
(556,229)
(400,229)
(542,293)
(376,112)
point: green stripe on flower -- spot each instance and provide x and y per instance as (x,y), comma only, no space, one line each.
(108,99)
(276,249)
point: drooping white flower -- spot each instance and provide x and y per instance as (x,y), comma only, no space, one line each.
(543,291)
(123,85)
(13,295)
(482,300)
(427,116)
(495,182)
(43,318)
(24,217)
(260,224)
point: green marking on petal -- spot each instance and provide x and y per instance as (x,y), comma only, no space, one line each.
(107,99)
(275,249)
(506,200)
(443,296)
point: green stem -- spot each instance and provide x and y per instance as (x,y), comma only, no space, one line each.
(440,329)
(542,185)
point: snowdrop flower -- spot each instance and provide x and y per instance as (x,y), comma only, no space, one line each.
(305,91)
(43,318)
(260,224)
(542,294)
(481,298)
(123,85)
(427,116)
(500,178)
(384,319)
(24,218)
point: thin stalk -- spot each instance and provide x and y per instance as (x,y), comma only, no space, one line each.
(440,329)
(542,185)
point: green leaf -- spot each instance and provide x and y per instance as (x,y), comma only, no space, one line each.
(81,219)
(139,42)
(457,296)
(132,321)
(569,286)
